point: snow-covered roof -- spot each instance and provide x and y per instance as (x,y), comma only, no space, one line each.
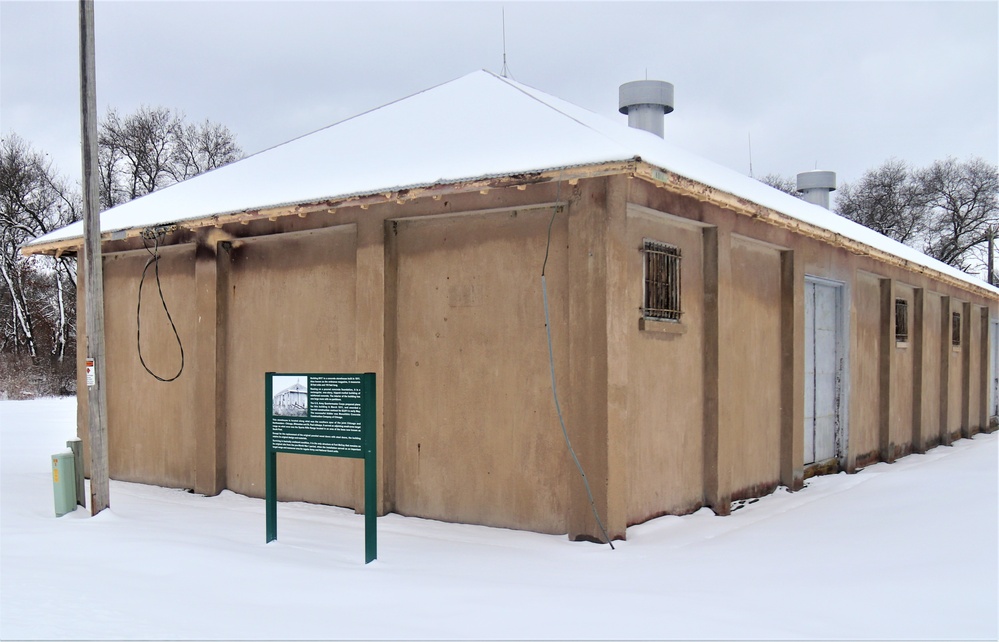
(295,387)
(478,126)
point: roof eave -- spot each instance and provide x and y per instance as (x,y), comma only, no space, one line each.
(400,195)
(660,177)
(684,186)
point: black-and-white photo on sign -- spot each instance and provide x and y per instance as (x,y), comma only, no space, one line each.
(292,398)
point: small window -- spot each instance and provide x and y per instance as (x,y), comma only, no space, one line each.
(955,333)
(662,282)
(901,320)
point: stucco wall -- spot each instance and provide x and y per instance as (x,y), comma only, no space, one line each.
(150,431)
(441,297)
(865,346)
(749,424)
(664,470)
(931,369)
(477,438)
(291,309)
(973,349)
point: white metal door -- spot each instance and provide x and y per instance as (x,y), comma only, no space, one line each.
(823,340)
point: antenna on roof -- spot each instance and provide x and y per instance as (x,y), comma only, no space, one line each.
(750,136)
(506,70)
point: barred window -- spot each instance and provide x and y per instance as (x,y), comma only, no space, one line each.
(955,333)
(662,281)
(901,320)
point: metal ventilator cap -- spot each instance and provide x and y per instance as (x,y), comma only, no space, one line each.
(816,186)
(646,102)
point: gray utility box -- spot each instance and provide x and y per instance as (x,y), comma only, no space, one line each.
(64,482)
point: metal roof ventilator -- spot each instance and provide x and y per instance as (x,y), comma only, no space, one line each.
(816,185)
(646,102)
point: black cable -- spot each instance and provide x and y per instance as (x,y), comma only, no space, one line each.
(550,222)
(155,234)
(551,366)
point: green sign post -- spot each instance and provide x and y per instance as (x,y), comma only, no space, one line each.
(332,415)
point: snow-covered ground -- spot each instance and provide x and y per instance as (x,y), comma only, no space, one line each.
(907,550)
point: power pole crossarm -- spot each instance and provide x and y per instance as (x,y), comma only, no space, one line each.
(93,264)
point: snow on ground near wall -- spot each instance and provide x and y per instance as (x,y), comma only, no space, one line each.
(907,550)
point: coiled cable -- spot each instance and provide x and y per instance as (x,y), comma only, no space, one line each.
(154,234)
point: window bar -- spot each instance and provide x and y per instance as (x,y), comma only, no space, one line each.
(901,320)
(662,281)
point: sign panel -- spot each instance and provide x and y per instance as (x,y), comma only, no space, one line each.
(332,415)
(317,414)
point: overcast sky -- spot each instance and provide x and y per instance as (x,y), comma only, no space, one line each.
(841,86)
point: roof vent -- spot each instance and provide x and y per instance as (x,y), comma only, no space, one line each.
(816,185)
(646,102)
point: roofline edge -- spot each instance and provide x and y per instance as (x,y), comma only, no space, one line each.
(636,167)
(695,189)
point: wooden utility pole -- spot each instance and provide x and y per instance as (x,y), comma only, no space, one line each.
(93,263)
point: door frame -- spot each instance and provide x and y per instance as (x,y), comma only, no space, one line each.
(842,316)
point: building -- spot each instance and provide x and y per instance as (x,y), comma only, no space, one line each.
(293,401)
(711,338)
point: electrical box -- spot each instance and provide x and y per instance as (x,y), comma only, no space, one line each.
(64,482)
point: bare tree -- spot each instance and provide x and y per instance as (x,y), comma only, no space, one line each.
(37,294)
(153,147)
(137,153)
(946,209)
(888,200)
(200,148)
(963,203)
(110,157)
(785,184)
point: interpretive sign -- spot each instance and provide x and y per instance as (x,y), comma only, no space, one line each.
(331,415)
(317,415)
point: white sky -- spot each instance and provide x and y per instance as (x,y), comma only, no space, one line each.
(839,86)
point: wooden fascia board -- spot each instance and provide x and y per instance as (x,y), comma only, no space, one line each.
(662,178)
(401,196)
(687,187)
